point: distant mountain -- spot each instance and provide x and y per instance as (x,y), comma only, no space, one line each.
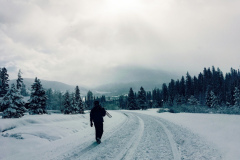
(135,77)
(118,81)
(51,84)
(123,88)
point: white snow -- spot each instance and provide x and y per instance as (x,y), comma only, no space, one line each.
(221,129)
(127,134)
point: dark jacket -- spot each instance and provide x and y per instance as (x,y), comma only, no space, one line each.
(97,114)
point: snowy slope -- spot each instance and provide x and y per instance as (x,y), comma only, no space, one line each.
(127,135)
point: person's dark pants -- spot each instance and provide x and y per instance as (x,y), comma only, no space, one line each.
(98,129)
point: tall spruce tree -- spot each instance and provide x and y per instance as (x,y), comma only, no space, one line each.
(132,104)
(13,104)
(38,98)
(236,97)
(189,86)
(142,99)
(74,106)
(79,100)
(165,93)
(4,82)
(67,103)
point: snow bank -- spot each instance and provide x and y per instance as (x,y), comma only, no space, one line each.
(36,135)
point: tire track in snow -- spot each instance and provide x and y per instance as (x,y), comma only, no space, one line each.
(83,152)
(114,146)
(130,148)
(188,144)
(173,144)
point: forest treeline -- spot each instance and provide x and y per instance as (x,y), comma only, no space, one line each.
(209,90)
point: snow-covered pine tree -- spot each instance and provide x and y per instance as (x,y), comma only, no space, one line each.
(67,103)
(74,106)
(208,97)
(236,97)
(193,101)
(4,82)
(38,98)
(19,80)
(79,100)
(142,99)
(132,104)
(213,100)
(13,104)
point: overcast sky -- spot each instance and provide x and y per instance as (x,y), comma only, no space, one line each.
(89,41)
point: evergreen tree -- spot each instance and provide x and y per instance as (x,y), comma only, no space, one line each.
(49,101)
(132,104)
(79,101)
(171,92)
(193,101)
(74,105)
(213,100)
(13,104)
(208,97)
(237,97)
(4,82)
(189,86)
(19,80)
(89,100)
(122,102)
(164,93)
(67,103)
(142,99)
(38,98)
(182,87)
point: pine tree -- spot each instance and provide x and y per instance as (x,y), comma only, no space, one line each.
(79,101)
(74,106)
(193,101)
(89,100)
(19,80)
(164,93)
(49,102)
(236,97)
(38,98)
(213,100)
(13,104)
(4,82)
(132,104)
(171,92)
(208,98)
(142,99)
(67,103)
(189,86)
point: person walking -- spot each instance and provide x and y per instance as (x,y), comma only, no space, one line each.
(96,116)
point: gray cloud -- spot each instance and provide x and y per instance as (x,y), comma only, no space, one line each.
(75,42)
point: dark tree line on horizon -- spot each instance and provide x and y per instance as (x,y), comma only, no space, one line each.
(210,89)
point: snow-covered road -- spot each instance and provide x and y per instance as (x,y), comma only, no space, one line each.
(128,135)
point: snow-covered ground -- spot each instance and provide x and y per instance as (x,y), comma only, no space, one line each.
(127,135)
